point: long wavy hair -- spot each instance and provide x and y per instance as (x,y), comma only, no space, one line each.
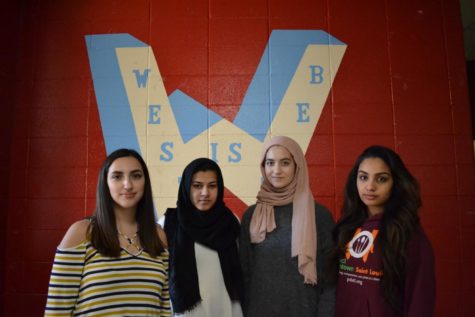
(103,230)
(399,222)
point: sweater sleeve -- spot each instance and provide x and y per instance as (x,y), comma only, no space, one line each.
(245,251)
(419,297)
(325,224)
(65,280)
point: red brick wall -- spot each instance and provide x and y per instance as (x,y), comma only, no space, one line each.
(9,26)
(402,83)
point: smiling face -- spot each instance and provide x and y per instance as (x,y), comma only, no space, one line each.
(374,182)
(204,190)
(279,166)
(126,182)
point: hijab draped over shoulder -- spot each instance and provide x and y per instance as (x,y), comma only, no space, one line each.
(304,231)
(216,229)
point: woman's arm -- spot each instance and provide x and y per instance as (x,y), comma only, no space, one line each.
(245,252)
(67,270)
(325,224)
(166,304)
(419,297)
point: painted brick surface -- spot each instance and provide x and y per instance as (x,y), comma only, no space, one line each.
(401,83)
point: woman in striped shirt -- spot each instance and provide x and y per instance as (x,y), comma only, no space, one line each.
(114,263)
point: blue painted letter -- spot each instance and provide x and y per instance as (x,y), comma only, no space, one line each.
(214,148)
(302,112)
(141,78)
(234,150)
(166,146)
(153,114)
(316,74)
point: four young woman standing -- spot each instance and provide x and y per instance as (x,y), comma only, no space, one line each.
(115,263)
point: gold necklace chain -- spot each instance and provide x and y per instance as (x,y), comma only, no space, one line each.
(130,241)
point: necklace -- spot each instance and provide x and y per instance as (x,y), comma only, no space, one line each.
(130,241)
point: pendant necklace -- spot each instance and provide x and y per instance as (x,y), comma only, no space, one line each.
(130,241)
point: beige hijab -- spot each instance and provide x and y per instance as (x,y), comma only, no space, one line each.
(304,231)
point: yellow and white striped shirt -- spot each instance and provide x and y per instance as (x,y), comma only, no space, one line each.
(85,283)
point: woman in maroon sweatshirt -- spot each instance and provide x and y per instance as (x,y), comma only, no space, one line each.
(384,263)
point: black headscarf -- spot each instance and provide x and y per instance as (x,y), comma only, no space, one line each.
(216,229)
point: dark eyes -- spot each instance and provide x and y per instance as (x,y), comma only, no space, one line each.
(135,176)
(283,163)
(379,179)
(200,185)
(382,179)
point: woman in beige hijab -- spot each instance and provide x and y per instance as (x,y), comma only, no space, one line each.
(285,238)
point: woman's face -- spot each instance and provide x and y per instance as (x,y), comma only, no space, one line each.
(375,183)
(126,182)
(279,166)
(204,190)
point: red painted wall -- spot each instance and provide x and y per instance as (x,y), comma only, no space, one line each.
(9,26)
(402,83)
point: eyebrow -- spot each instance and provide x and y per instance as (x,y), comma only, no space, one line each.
(283,159)
(380,173)
(122,172)
(203,182)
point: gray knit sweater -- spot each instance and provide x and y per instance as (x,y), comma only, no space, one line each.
(273,285)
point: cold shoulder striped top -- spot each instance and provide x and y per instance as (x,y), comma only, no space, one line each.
(85,283)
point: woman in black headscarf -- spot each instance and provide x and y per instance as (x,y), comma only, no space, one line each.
(204,275)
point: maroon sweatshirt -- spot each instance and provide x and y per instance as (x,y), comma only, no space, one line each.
(358,290)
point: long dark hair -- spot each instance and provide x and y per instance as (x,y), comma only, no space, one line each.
(399,221)
(103,231)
